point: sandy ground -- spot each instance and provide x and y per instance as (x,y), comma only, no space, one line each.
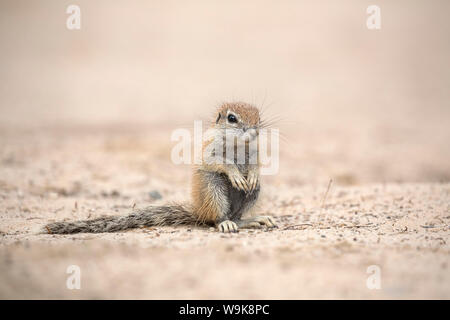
(87,116)
(322,248)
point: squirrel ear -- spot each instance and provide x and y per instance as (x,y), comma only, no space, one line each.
(218,118)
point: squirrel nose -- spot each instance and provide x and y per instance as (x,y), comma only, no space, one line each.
(252,132)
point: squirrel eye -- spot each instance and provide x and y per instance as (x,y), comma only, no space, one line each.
(232,118)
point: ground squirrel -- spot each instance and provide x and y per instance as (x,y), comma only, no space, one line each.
(222,191)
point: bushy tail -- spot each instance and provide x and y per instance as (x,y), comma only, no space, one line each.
(172,215)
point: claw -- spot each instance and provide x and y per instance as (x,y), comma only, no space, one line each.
(228,226)
(268,221)
(253,179)
(239,182)
(258,222)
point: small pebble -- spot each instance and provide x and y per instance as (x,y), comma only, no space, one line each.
(155,195)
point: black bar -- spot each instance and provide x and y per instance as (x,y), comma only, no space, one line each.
(224,309)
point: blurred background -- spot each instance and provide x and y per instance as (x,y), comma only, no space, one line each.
(355,104)
(377,98)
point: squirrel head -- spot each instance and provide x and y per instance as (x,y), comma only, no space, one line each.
(239,119)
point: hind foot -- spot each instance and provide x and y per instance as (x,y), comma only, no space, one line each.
(227,226)
(257,222)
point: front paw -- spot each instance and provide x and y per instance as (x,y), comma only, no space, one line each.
(227,226)
(238,181)
(252,180)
